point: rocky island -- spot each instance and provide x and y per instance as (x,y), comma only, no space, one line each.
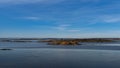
(63,42)
(75,41)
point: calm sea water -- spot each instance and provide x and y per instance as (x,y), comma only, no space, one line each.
(40,55)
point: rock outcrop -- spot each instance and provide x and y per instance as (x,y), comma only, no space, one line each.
(63,42)
(5,49)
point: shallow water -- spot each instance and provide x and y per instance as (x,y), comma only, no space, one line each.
(45,56)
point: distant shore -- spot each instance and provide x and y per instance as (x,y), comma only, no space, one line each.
(60,41)
(57,39)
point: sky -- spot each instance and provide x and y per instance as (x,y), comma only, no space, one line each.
(60,18)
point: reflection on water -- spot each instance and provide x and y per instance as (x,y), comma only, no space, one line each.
(58,56)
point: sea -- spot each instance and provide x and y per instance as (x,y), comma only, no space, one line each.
(41,55)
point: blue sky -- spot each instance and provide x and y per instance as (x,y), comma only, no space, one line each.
(60,18)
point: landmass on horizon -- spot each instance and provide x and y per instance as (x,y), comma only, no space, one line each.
(61,41)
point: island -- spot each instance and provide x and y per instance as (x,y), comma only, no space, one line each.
(63,42)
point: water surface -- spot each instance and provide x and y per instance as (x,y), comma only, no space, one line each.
(40,55)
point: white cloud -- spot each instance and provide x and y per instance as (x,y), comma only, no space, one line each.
(89,0)
(66,28)
(112,20)
(74,30)
(19,1)
(28,1)
(39,1)
(109,19)
(31,18)
(62,27)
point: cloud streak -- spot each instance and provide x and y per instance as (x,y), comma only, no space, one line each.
(62,27)
(66,28)
(29,1)
(31,18)
(113,19)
